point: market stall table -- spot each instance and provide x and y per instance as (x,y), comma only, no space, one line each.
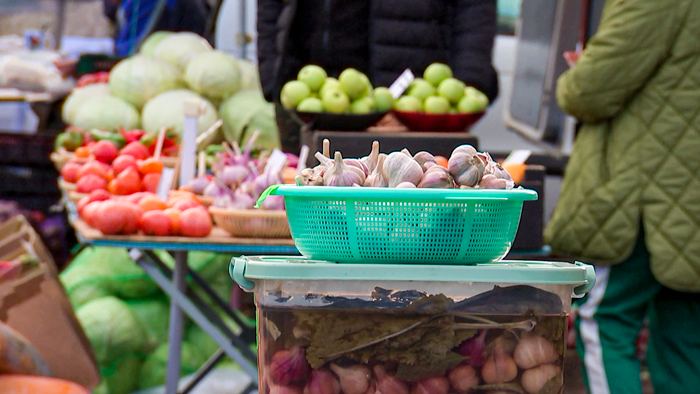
(140,249)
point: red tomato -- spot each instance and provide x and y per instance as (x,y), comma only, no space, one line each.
(137,150)
(195,222)
(105,151)
(122,162)
(90,211)
(99,195)
(82,204)
(128,181)
(150,182)
(92,167)
(136,197)
(133,215)
(186,205)
(69,172)
(89,183)
(156,223)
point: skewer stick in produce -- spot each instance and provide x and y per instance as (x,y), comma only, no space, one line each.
(202,165)
(208,132)
(236,148)
(327,148)
(159,142)
(303,155)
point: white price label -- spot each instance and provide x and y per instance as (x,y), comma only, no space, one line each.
(519,156)
(276,162)
(401,84)
(166,182)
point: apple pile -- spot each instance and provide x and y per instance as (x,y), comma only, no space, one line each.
(182,214)
(351,93)
(120,172)
(439,93)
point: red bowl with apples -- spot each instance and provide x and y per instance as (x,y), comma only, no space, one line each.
(420,121)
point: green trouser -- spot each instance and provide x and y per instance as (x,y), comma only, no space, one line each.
(610,318)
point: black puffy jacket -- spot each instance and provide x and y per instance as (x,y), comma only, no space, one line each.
(402,34)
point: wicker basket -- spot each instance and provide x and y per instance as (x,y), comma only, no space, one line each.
(252,223)
(76,197)
(207,201)
(67,187)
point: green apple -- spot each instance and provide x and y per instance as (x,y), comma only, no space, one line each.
(310,104)
(451,89)
(477,95)
(363,105)
(293,93)
(383,99)
(436,105)
(370,89)
(436,73)
(335,101)
(352,83)
(421,89)
(312,75)
(408,104)
(329,83)
(470,105)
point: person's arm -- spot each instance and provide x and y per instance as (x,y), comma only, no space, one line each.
(268,15)
(473,34)
(634,39)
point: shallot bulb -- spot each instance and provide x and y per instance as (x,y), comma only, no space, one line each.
(434,385)
(233,176)
(387,384)
(463,378)
(399,167)
(474,349)
(273,203)
(277,389)
(533,380)
(213,189)
(354,379)
(533,350)
(198,184)
(289,366)
(499,367)
(322,382)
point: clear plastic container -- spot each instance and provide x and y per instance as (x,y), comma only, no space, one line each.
(328,328)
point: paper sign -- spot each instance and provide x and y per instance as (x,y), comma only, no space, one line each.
(276,161)
(135,254)
(518,156)
(166,182)
(401,84)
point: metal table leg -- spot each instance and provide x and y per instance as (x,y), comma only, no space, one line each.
(176,325)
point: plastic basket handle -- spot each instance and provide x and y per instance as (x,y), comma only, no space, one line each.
(581,291)
(269,191)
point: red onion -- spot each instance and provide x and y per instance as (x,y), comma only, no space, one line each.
(434,385)
(322,382)
(388,384)
(474,349)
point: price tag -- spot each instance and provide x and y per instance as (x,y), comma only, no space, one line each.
(401,84)
(518,156)
(276,161)
(166,182)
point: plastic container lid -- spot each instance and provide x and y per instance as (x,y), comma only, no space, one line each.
(246,270)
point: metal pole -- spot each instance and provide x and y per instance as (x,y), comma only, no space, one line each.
(176,325)
(243,35)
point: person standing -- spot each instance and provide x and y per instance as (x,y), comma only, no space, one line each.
(630,201)
(380,38)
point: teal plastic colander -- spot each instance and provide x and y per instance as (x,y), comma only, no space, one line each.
(408,226)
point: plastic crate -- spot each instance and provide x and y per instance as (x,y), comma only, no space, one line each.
(26,149)
(92,63)
(387,225)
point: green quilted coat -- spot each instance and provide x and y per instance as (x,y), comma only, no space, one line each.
(636,159)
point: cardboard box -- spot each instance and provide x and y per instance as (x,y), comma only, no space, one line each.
(36,305)
(17,237)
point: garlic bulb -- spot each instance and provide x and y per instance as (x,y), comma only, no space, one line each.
(490,181)
(463,378)
(533,380)
(354,379)
(359,164)
(405,185)
(533,350)
(313,176)
(466,148)
(466,169)
(492,167)
(373,158)
(499,367)
(398,168)
(437,177)
(407,152)
(376,178)
(425,159)
(341,174)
